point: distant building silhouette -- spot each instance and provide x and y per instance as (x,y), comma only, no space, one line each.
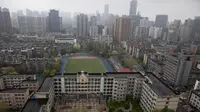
(133,7)
(54,21)
(161,21)
(82,25)
(5,20)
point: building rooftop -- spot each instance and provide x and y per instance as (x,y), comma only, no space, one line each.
(29,81)
(197,92)
(125,70)
(108,74)
(158,87)
(34,105)
(46,85)
(20,90)
(124,74)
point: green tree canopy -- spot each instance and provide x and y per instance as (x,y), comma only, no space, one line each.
(8,70)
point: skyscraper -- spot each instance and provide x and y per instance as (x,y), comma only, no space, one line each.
(82,25)
(133,7)
(196,28)
(5,20)
(54,21)
(122,29)
(106,11)
(93,26)
(29,24)
(161,21)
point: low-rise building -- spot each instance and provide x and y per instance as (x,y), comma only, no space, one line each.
(14,98)
(194,99)
(14,81)
(65,40)
(1,83)
(155,95)
(33,85)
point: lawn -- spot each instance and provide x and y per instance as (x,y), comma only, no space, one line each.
(87,65)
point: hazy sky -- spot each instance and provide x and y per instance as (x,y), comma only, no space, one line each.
(176,9)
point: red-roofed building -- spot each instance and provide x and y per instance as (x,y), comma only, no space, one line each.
(125,70)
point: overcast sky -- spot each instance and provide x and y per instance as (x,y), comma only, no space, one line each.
(176,9)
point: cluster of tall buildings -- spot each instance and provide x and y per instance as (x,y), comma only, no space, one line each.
(5,20)
(121,28)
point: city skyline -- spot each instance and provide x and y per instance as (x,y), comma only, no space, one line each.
(147,8)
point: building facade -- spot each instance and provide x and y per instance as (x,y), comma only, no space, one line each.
(14,98)
(32,24)
(177,69)
(93,26)
(33,85)
(54,21)
(82,25)
(5,20)
(156,96)
(122,29)
(112,85)
(194,99)
(133,7)
(14,81)
(161,21)
(2,86)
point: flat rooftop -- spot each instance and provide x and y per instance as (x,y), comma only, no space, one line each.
(29,81)
(158,87)
(107,74)
(124,74)
(46,85)
(34,105)
(12,90)
(197,92)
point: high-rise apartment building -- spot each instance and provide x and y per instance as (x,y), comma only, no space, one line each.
(106,12)
(196,28)
(5,20)
(144,22)
(29,24)
(122,29)
(133,7)
(82,25)
(177,69)
(93,26)
(54,21)
(161,21)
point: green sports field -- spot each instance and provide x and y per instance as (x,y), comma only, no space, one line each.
(87,65)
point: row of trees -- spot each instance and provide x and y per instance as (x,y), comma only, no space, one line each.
(102,49)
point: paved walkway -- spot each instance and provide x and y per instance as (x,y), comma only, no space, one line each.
(124,110)
(63,63)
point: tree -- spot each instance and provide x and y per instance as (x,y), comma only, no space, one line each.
(46,72)
(53,72)
(8,70)
(63,51)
